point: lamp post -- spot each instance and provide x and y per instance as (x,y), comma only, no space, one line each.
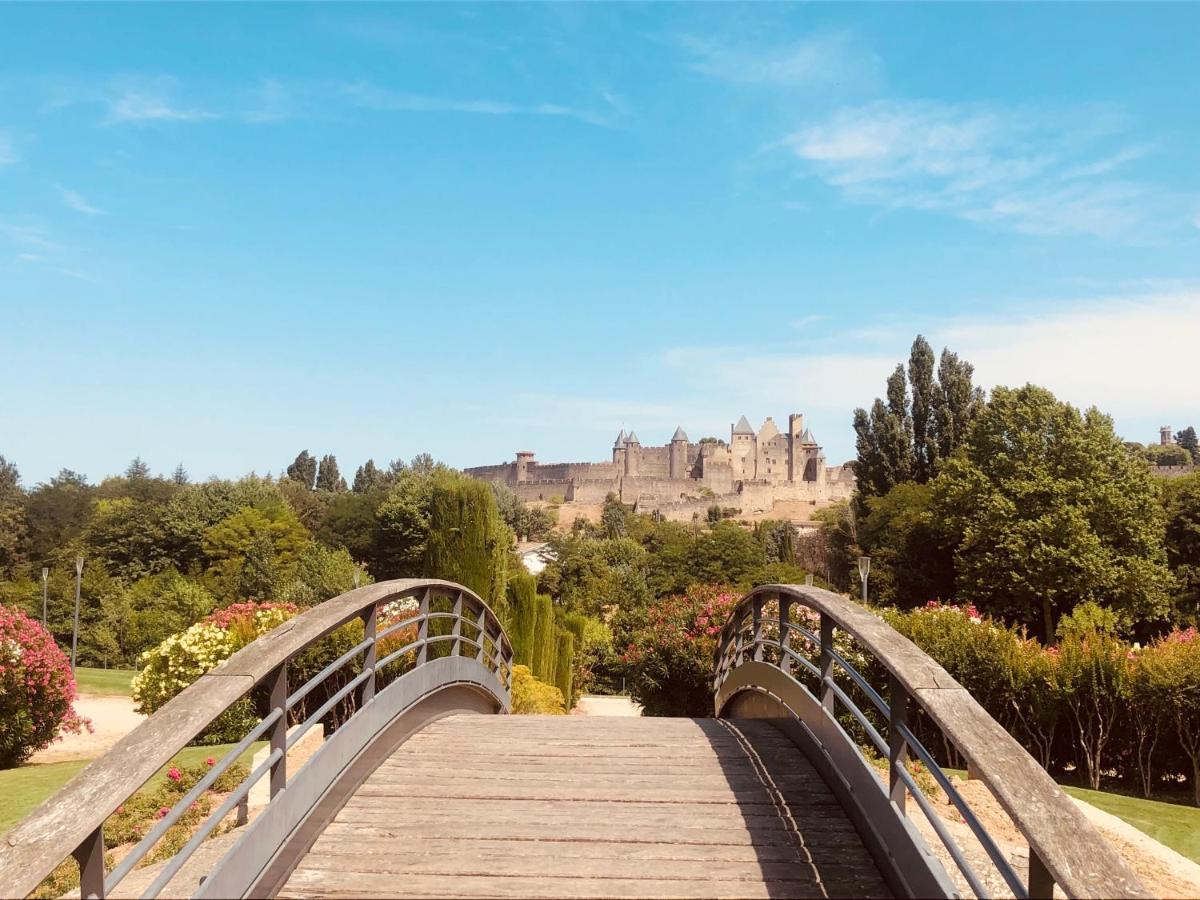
(357,577)
(75,629)
(864,569)
(808,580)
(45,575)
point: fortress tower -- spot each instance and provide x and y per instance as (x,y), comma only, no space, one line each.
(619,451)
(741,449)
(1164,435)
(524,458)
(795,442)
(677,462)
(633,452)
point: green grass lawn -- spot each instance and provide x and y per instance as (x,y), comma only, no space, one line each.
(1173,825)
(106,682)
(22,789)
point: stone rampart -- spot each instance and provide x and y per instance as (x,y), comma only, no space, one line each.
(1173,471)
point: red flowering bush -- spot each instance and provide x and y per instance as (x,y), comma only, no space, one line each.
(669,659)
(36,689)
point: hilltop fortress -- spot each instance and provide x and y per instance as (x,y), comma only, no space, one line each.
(750,474)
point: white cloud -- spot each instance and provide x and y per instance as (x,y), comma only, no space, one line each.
(78,202)
(821,59)
(1131,356)
(29,238)
(370,96)
(150,105)
(1036,171)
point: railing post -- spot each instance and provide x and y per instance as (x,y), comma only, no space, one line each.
(757,655)
(423,629)
(370,619)
(481,624)
(1041,882)
(277,683)
(827,696)
(897,745)
(90,856)
(785,634)
(456,644)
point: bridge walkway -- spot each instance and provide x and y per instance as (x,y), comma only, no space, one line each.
(569,806)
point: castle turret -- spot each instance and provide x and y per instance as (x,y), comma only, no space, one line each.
(741,449)
(677,461)
(1164,435)
(619,451)
(795,458)
(524,458)
(633,452)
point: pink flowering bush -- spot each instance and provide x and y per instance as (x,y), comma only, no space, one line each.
(669,659)
(36,689)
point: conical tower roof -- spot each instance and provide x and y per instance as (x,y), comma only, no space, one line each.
(633,439)
(680,435)
(807,437)
(620,441)
(742,427)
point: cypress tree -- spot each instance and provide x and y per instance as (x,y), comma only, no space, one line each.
(466,540)
(545,644)
(564,663)
(522,617)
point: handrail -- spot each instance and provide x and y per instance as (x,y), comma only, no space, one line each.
(1064,848)
(71,822)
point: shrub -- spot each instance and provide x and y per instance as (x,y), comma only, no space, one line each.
(669,658)
(522,616)
(36,689)
(182,658)
(1173,671)
(531,697)
(564,664)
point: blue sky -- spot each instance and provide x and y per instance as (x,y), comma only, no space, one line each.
(228,233)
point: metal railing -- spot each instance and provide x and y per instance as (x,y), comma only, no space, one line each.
(439,619)
(792,629)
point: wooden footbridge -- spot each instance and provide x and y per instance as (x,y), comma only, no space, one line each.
(423,787)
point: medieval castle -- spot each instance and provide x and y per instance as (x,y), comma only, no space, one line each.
(679,480)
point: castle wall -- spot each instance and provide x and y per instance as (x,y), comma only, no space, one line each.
(1173,471)
(543,490)
(503,474)
(593,490)
(688,510)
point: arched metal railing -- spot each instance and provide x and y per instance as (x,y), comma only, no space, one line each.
(781,639)
(421,637)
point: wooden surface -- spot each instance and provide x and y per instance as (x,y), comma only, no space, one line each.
(568,806)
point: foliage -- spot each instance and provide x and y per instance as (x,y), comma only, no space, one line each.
(1188,440)
(182,658)
(321,573)
(669,658)
(1173,674)
(531,697)
(901,440)
(1050,511)
(36,689)
(1182,502)
(910,562)
(564,663)
(1168,455)
(521,616)
(303,470)
(328,477)
(467,542)
(13,527)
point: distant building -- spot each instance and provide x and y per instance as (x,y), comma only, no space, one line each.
(680,478)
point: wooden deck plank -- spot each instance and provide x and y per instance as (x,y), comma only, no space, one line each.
(593,808)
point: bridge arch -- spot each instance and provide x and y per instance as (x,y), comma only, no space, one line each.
(430,648)
(777,658)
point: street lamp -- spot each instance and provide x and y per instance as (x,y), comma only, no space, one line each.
(75,629)
(45,575)
(864,569)
(357,577)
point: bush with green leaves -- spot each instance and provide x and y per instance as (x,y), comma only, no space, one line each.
(533,697)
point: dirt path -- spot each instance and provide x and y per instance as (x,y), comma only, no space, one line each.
(594,705)
(112,718)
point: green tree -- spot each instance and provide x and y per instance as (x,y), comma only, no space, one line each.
(898,441)
(321,573)
(403,526)
(1182,501)
(1188,441)
(329,479)
(1048,511)
(910,562)
(252,551)
(1168,455)
(368,478)
(303,470)
(129,536)
(13,528)
(57,514)
(467,542)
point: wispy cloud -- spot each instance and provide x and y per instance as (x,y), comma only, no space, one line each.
(8,153)
(821,59)
(28,238)
(1130,355)
(370,96)
(1038,172)
(76,201)
(151,104)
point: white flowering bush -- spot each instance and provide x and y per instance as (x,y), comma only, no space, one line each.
(182,658)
